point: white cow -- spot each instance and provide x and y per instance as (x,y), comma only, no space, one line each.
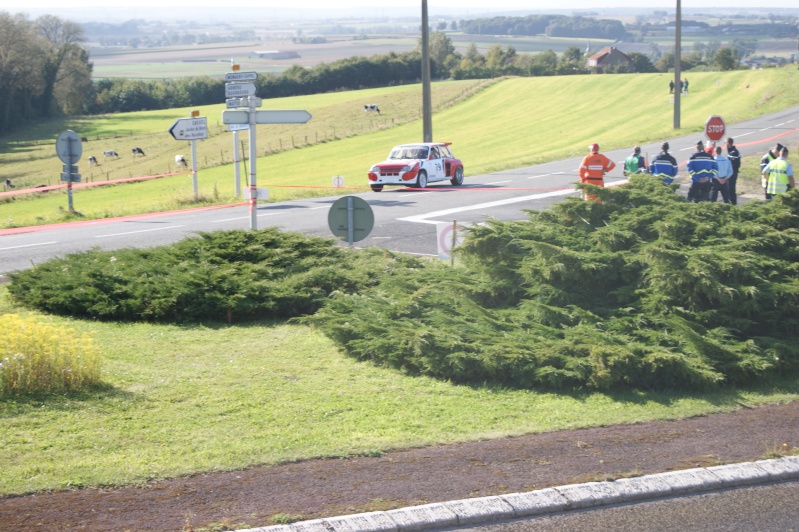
(93,161)
(181,161)
(110,153)
(371,107)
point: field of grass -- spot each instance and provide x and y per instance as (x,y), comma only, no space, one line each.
(493,126)
(180,400)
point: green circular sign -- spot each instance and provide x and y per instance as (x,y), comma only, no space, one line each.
(351,219)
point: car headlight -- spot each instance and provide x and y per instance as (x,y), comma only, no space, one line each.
(375,169)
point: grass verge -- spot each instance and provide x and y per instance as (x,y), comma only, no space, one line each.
(181,400)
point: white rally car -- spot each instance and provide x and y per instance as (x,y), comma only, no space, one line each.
(416,165)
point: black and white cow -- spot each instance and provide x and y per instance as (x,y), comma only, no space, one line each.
(371,107)
(181,161)
(9,184)
(110,153)
(93,161)
(138,151)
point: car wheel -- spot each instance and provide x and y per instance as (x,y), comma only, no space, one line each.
(458,178)
(421,182)
(377,188)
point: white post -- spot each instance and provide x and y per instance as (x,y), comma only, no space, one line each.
(194,169)
(236,163)
(253,155)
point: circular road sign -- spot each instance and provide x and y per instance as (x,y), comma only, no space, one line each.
(68,147)
(715,128)
(350,218)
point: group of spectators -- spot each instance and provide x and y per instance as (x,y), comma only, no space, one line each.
(712,173)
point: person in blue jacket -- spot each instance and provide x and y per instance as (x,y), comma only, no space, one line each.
(664,165)
(703,169)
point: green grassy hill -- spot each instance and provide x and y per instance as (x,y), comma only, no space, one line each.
(494,125)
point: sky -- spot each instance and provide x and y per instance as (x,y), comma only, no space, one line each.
(471,5)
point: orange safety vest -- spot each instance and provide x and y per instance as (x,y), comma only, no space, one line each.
(594,167)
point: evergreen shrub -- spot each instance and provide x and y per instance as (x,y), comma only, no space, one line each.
(642,290)
(217,276)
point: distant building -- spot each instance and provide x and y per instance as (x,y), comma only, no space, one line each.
(608,57)
(273,54)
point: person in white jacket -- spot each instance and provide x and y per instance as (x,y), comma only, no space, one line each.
(719,183)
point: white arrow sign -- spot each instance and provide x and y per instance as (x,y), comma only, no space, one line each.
(238,127)
(190,128)
(239,90)
(241,76)
(266,117)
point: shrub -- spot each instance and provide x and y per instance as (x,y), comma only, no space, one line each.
(40,357)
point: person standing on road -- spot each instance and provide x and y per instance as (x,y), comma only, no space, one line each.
(594,167)
(764,161)
(664,165)
(635,163)
(702,168)
(735,159)
(720,182)
(779,175)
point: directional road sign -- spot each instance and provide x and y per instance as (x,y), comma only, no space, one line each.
(238,127)
(266,117)
(68,147)
(715,128)
(239,90)
(241,76)
(190,128)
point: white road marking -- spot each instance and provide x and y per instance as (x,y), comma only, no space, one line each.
(423,218)
(498,182)
(30,245)
(142,231)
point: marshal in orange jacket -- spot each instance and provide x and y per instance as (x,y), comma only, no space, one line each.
(594,167)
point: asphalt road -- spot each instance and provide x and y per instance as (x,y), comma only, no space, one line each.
(762,508)
(405,220)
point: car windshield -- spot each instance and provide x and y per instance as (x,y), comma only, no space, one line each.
(409,152)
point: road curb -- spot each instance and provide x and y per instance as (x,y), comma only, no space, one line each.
(469,512)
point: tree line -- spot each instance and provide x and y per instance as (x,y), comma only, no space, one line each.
(45,72)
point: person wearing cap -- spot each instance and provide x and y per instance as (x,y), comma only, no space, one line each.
(703,169)
(735,159)
(721,181)
(635,163)
(770,155)
(779,175)
(664,165)
(594,167)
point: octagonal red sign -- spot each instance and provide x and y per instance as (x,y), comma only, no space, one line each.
(715,128)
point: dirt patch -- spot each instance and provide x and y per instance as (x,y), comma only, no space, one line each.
(324,488)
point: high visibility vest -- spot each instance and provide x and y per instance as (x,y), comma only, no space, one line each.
(631,165)
(777,177)
(593,169)
(765,161)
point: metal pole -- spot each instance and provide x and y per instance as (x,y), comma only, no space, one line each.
(427,105)
(454,240)
(194,170)
(677,64)
(253,155)
(350,221)
(236,165)
(69,174)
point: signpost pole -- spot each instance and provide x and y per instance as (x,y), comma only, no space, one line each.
(350,221)
(194,169)
(236,163)
(253,156)
(69,171)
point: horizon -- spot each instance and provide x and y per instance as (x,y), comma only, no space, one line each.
(89,10)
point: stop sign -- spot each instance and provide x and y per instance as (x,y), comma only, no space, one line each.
(714,128)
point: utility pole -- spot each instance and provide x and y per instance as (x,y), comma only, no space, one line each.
(427,105)
(677,64)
